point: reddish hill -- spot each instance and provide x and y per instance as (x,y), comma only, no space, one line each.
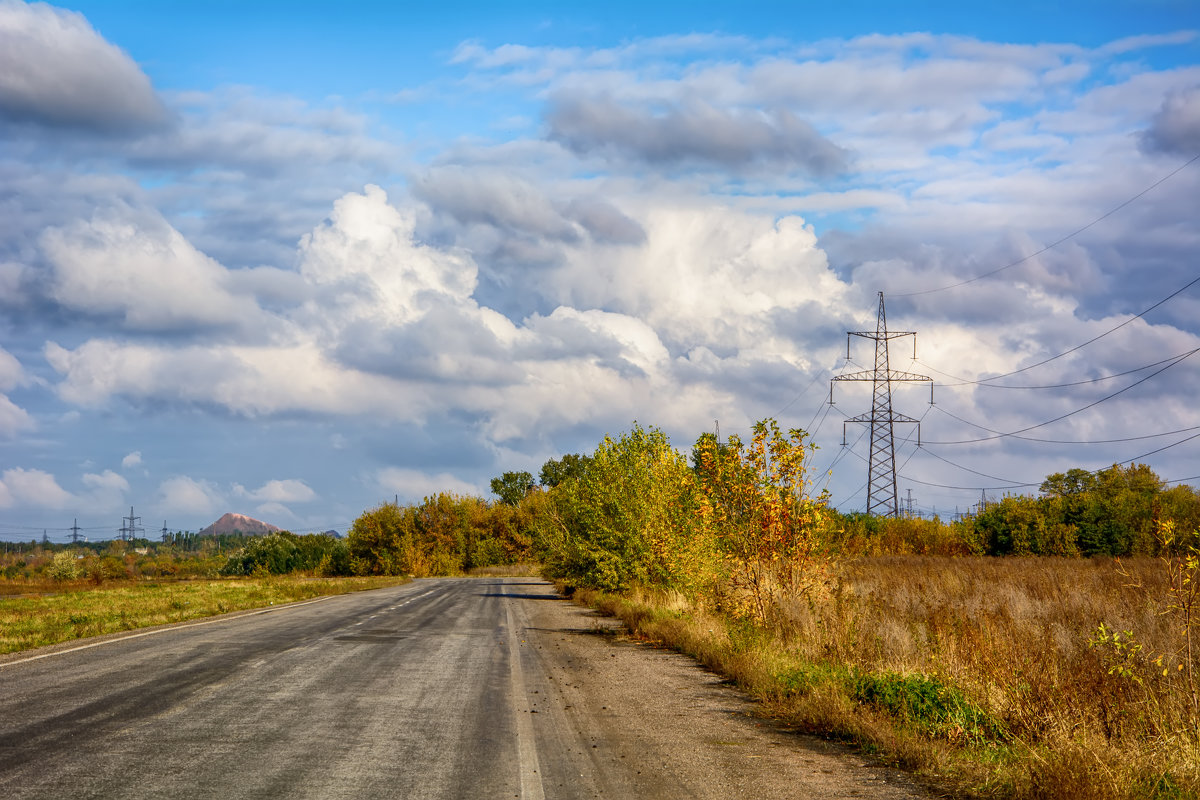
(239,523)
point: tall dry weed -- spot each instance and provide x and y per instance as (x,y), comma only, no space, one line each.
(983,671)
(1017,637)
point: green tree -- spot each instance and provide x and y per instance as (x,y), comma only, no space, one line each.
(274,554)
(630,519)
(381,541)
(511,487)
(570,467)
(1073,482)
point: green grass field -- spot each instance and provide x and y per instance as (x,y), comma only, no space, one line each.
(76,613)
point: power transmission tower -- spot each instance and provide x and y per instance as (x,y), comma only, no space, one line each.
(881,468)
(164,530)
(130,527)
(75,531)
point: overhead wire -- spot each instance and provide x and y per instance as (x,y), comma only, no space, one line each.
(1057,242)
(942,409)
(1076,411)
(1113,329)
(1169,362)
(1022,485)
(984,383)
(803,391)
(1159,450)
(1015,484)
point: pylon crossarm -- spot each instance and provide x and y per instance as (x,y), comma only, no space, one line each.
(892,375)
(865,375)
(884,418)
(881,334)
(896,375)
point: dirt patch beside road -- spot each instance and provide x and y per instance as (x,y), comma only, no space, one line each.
(671,728)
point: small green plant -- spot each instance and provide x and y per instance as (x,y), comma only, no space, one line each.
(1122,656)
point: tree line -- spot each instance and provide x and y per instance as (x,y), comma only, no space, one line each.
(637,510)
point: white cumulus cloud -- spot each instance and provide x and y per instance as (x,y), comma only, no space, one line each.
(135,265)
(33,487)
(182,494)
(278,491)
(414,485)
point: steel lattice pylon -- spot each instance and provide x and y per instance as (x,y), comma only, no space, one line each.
(882,499)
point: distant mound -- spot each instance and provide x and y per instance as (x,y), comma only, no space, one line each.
(239,523)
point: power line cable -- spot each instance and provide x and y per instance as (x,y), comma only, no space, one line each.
(942,409)
(1020,485)
(1159,450)
(1173,294)
(1015,484)
(984,383)
(959,488)
(1066,238)
(1076,411)
(803,391)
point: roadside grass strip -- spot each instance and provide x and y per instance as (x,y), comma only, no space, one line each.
(29,622)
(926,723)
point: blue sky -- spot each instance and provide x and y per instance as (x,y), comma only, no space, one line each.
(294,259)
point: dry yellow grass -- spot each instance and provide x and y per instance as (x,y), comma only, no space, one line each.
(977,671)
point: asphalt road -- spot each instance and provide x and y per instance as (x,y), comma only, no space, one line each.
(473,688)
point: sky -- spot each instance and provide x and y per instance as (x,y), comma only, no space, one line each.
(294,260)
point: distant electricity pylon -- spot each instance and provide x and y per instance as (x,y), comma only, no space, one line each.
(881,469)
(130,527)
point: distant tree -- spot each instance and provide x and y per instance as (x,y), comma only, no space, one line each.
(511,487)
(570,467)
(1074,481)
(283,551)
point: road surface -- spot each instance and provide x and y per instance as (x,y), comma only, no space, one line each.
(449,688)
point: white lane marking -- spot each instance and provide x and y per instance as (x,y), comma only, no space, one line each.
(530,770)
(397,606)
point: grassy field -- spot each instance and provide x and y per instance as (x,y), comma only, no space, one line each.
(990,676)
(79,610)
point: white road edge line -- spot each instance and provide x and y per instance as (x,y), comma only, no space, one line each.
(531,778)
(140,634)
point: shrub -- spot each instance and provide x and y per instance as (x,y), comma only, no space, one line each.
(284,552)
(63,567)
(629,518)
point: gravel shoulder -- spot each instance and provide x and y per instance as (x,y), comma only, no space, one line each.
(656,724)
